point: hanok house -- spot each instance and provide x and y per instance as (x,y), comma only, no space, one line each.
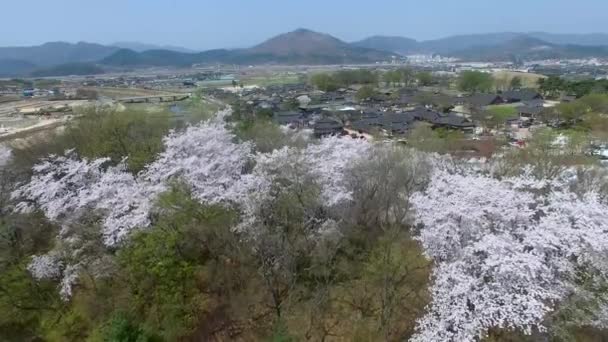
(455,121)
(482,100)
(291,119)
(327,126)
(365,122)
(520,95)
(396,123)
(449,120)
(529,111)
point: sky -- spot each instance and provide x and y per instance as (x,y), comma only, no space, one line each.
(206,24)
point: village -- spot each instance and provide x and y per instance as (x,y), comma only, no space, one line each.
(478,122)
(503,106)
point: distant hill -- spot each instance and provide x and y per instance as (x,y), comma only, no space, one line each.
(301,46)
(400,45)
(588,39)
(130,58)
(55,53)
(459,42)
(15,67)
(529,48)
(497,46)
(141,47)
(69,69)
(298,47)
(306,46)
(450,44)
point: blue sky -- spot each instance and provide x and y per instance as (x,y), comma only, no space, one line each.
(204,24)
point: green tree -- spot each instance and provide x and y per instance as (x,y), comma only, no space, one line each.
(571,112)
(407,76)
(106,132)
(164,266)
(597,103)
(515,83)
(475,81)
(423,138)
(392,77)
(424,78)
(365,93)
(291,104)
(551,86)
(324,82)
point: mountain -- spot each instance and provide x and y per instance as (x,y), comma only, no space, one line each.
(460,42)
(497,46)
(69,69)
(400,45)
(298,47)
(141,47)
(310,47)
(301,46)
(450,44)
(55,53)
(445,46)
(15,67)
(588,39)
(130,58)
(528,48)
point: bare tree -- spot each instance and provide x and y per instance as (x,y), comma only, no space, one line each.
(382,185)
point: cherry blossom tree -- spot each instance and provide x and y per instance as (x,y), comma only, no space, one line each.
(506,253)
(203,156)
(5,155)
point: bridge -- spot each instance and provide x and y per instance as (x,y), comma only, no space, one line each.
(154,98)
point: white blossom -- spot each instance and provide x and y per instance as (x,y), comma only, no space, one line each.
(51,266)
(329,161)
(505,252)
(205,157)
(324,163)
(70,277)
(47,266)
(5,155)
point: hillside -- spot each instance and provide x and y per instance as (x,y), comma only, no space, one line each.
(15,67)
(130,58)
(586,44)
(394,44)
(55,53)
(141,47)
(297,47)
(69,69)
(590,39)
(302,46)
(529,48)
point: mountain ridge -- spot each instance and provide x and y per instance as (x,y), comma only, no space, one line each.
(455,43)
(302,46)
(141,47)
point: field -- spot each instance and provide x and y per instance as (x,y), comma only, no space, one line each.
(502,110)
(274,79)
(529,80)
(117,93)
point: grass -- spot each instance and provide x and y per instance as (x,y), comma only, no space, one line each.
(46,83)
(498,115)
(117,93)
(529,80)
(276,79)
(503,111)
